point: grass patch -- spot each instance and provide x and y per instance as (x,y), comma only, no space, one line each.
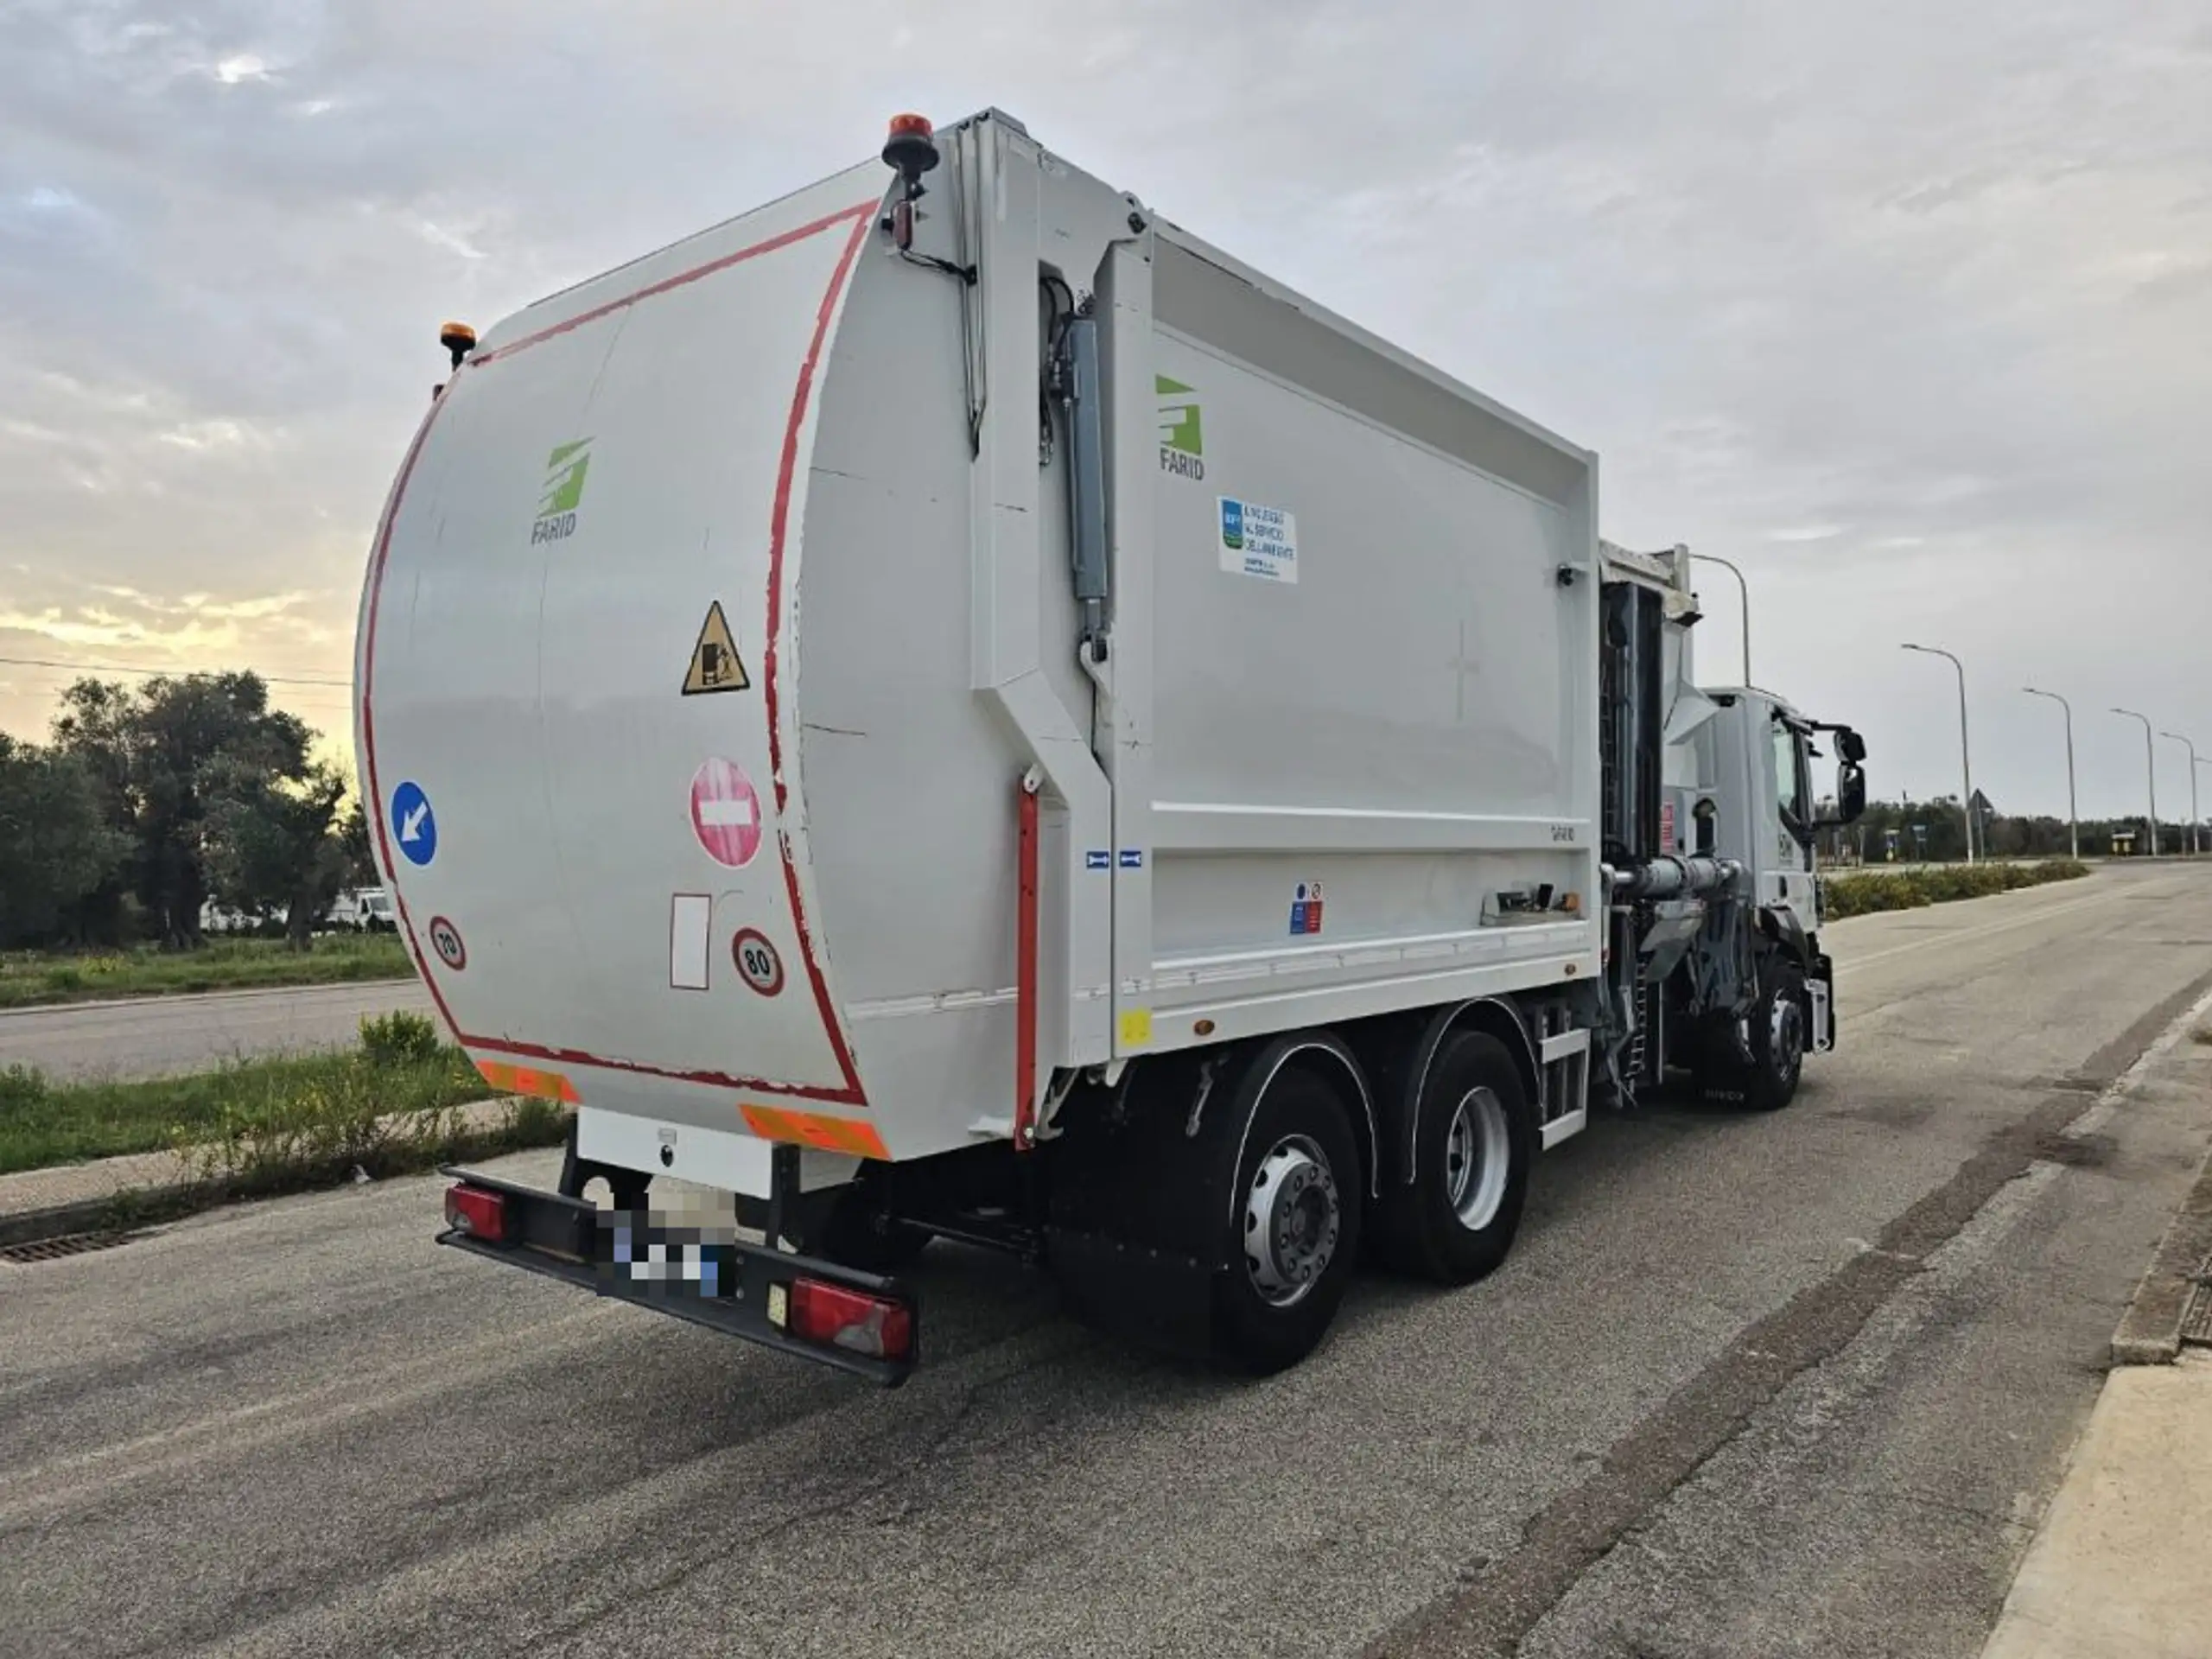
(32,979)
(326,1110)
(1863,894)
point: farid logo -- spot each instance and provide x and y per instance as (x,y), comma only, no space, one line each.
(1182,443)
(564,493)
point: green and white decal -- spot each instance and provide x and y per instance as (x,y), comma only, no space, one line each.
(1182,440)
(563,491)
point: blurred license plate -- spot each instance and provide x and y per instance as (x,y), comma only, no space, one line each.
(671,1256)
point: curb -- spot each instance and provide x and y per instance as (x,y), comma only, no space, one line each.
(121,1206)
(2150,1331)
(103,1215)
(240,991)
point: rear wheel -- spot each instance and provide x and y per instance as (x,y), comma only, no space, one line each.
(1293,1230)
(1473,1140)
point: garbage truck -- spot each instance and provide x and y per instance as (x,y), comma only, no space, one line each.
(948,708)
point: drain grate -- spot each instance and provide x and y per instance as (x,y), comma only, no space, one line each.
(52,1249)
(2196,1323)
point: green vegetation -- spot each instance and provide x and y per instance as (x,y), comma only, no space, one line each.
(1863,893)
(28,978)
(149,802)
(315,1116)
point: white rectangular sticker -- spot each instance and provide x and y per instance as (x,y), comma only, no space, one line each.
(688,917)
(1257,541)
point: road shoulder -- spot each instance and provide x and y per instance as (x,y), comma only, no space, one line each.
(2119,1565)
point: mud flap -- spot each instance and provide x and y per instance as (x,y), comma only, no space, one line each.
(1133,1233)
(1134,1291)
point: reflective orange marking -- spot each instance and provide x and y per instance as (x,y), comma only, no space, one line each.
(845,1135)
(528,1080)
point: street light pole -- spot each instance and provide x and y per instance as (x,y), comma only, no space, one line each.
(2072,816)
(1966,757)
(2151,763)
(2193,846)
(1744,591)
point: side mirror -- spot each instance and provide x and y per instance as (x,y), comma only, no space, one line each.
(1850,792)
(1850,798)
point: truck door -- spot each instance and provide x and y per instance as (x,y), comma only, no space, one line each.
(1791,829)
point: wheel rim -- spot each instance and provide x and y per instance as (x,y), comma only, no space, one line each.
(1292,1216)
(1786,1035)
(1477,1158)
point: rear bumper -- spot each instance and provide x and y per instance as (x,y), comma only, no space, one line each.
(576,1242)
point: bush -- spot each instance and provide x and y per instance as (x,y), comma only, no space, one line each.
(1864,894)
(22,1091)
(399,1038)
(352,1121)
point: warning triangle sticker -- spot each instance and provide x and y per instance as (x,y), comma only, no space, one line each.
(715,665)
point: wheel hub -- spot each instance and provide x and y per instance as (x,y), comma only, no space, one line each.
(1477,1157)
(1786,1035)
(1292,1217)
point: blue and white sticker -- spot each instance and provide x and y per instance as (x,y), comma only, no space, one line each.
(1258,541)
(1098,858)
(414,826)
(1133,858)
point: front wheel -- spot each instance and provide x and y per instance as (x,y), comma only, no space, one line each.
(1775,1033)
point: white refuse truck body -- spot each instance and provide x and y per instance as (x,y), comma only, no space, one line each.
(891,681)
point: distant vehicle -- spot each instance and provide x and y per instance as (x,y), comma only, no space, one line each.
(227,918)
(366,908)
(896,687)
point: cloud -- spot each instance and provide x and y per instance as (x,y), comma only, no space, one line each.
(1905,309)
(242,65)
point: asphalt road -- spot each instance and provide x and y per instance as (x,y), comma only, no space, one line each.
(162,1036)
(1759,1386)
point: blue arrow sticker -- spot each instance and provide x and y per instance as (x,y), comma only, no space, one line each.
(1098,859)
(413,824)
(1131,858)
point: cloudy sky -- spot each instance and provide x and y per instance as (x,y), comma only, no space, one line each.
(1906,308)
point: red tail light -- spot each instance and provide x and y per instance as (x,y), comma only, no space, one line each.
(848,1318)
(481,1214)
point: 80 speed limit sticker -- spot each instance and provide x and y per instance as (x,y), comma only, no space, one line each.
(757,965)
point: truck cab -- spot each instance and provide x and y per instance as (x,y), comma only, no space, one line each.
(1713,809)
(1764,755)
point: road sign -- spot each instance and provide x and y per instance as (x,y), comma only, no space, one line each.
(725,813)
(414,826)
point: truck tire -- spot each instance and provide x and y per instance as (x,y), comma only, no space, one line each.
(1473,1140)
(1292,1236)
(1776,1033)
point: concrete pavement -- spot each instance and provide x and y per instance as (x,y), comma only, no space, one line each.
(163,1036)
(1791,1384)
(2121,1567)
